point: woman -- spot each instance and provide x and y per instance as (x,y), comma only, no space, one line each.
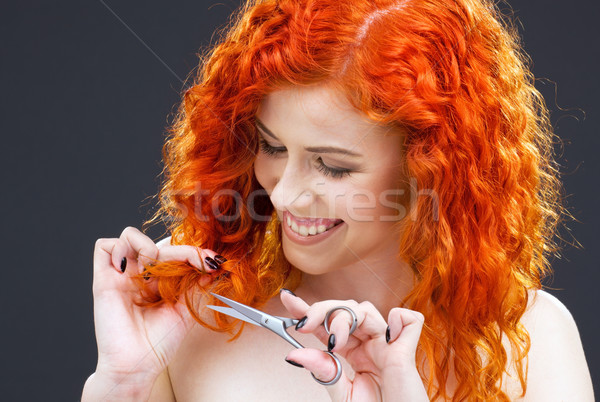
(389,157)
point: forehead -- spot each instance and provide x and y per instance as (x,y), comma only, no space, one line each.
(317,109)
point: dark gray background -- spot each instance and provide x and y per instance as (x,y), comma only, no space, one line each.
(87,90)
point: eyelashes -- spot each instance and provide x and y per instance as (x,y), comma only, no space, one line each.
(327,171)
(269,150)
(323,168)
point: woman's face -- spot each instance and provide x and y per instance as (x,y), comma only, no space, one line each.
(313,187)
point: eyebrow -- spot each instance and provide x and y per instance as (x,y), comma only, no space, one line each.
(325,149)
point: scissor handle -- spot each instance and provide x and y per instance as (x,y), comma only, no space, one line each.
(338,374)
(348,309)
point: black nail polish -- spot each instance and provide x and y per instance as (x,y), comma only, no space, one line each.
(211,263)
(301,323)
(387,334)
(287,290)
(331,342)
(123,264)
(293,363)
(146,274)
(220,259)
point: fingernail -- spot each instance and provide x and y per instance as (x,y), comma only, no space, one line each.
(146,274)
(331,342)
(293,363)
(123,264)
(301,323)
(211,263)
(287,290)
(220,259)
(387,334)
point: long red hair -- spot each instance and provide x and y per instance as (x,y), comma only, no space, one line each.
(450,72)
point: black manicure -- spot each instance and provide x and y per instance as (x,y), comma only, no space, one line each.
(289,291)
(301,323)
(387,334)
(123,264)
(293,363)
(331,342)
(220,259)
(146,274)
(211,263)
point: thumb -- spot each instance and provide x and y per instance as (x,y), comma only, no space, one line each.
(324,368)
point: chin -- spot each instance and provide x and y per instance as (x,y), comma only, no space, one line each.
(308,264)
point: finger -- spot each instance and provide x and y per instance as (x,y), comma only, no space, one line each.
(168,252)
(339,331)
(103,255)
(294,304)
(106,275)
(299,309)
(405,324)
(315,317)
(164,242)
(370,323)
(194,256)
(323,367)
(108,278)
(137,248)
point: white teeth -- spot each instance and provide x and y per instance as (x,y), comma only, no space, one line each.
(305,231)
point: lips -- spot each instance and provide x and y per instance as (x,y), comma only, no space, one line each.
(309,226)
(305,238)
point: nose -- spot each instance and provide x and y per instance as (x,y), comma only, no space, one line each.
(293,192)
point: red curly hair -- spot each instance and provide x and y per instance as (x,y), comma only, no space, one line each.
(450,72)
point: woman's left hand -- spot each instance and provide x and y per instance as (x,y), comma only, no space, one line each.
(383,371)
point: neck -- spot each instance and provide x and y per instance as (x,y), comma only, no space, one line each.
(380,279)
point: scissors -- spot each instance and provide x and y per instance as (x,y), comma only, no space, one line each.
(278,325)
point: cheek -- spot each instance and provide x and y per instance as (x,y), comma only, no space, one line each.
(377,199)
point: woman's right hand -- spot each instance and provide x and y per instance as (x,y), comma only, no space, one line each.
(135,344)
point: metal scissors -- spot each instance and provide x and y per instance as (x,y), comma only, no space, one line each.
(278,325)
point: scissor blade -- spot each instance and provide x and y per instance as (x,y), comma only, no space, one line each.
(249,314)
(232,313)
(247,311)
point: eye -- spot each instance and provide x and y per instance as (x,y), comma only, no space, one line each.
(269,150)
(334,172)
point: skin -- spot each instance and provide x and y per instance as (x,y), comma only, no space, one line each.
(357,267)
(132,347)
(359,262)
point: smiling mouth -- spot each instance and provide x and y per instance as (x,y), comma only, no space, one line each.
(307,229)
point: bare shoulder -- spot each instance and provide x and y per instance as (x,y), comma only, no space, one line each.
(179,381)
(557,366)
(542,302)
